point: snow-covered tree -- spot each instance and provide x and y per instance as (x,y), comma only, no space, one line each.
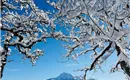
(23,25)
(101,27)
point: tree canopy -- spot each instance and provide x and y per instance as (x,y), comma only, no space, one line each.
(101,27)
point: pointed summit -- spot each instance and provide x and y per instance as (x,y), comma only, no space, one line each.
(64,76)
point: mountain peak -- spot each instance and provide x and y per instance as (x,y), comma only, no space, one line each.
(65,76)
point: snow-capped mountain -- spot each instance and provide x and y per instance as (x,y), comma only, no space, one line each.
(65,76)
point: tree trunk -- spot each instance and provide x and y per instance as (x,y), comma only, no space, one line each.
(125,66)
(3,59)
(2,64)
(124,62)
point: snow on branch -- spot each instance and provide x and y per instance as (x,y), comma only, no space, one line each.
(23,25)
(96,24)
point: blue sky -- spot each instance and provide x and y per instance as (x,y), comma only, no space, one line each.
(49,65)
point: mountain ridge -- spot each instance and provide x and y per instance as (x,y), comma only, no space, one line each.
(64,76)
(67,76)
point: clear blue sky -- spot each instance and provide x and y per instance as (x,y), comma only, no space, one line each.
(48,66)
